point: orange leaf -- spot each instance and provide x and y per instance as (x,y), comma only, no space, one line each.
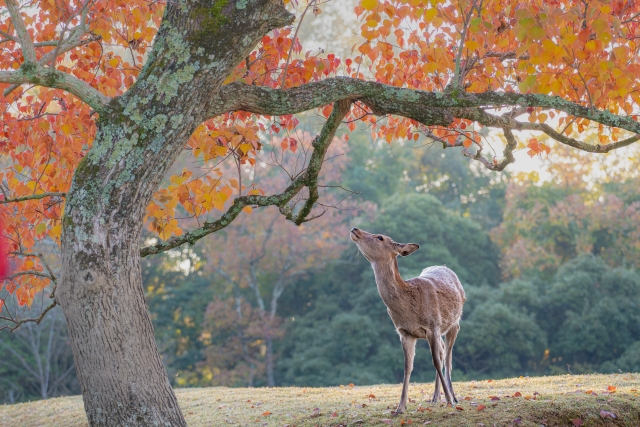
(481,407)
(266,414)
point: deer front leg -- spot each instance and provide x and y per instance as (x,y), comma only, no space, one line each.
(409,347)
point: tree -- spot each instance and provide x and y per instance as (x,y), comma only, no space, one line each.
(100,99)
(265,255)
(38,361)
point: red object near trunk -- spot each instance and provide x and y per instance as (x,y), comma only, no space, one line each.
(4,261)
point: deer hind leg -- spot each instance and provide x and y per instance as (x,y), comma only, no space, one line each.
(435,342)
(409,348)
(436,392)
(451,339)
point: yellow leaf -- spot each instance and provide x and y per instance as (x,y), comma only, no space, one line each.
(55,231)
(429,14)
(369,4)
(247,209)
(472,45)
(66,129)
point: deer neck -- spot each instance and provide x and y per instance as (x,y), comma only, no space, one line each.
(390,283)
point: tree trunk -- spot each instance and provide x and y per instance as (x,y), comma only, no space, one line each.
(139,135)
(120,372)
(271,382)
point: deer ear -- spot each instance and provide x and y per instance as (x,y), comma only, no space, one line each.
(407,249)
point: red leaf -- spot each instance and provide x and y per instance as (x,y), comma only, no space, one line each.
(518,394)
(481,408)
(577,422)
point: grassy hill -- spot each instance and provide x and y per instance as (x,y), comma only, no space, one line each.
(560,400)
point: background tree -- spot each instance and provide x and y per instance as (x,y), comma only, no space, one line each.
(88,148)
(266,255)
(37,361)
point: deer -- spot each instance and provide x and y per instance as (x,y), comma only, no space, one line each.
(425,307)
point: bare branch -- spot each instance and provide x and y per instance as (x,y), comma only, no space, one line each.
(37,320)
(508,153)
(31,273)
(32,197)
(507,122)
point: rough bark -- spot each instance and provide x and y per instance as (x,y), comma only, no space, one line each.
(139,136)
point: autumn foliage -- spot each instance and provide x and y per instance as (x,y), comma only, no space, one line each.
(583,52)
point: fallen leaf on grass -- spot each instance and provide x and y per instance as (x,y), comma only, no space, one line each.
(489,381)
(518,420)
(372,396)
(266,414)
(494,398)
(607,414)
(577,422)
(459,408)
(421,409)
(518,394)
(351,385)
(612,389)
(467,398)
(335,414)
(315,413)
(481,407)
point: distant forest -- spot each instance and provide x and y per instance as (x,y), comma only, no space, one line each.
(549,261)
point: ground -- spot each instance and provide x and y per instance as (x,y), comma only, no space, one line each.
(569,400)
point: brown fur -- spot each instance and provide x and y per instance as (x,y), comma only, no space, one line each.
(425,307)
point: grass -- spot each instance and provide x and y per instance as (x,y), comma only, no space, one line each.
(551,401)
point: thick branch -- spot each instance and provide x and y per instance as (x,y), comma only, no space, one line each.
(429,108)
(307,179)
(39,75)
(32,197)
(28,50)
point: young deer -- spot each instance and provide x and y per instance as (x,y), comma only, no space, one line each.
(425,307)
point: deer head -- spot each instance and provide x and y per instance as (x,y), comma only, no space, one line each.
(380,248)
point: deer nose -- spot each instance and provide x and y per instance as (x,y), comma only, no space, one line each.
(354,229)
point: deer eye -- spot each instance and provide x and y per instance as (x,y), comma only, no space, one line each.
(380,238)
